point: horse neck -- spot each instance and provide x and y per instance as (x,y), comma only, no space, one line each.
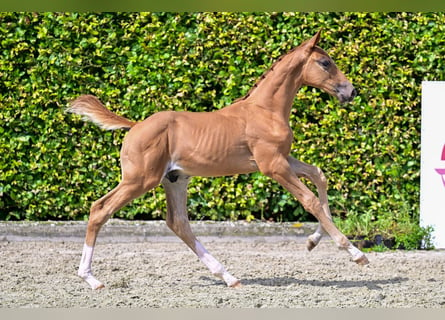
(277,87)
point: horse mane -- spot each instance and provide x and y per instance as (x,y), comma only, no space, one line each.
(264,75)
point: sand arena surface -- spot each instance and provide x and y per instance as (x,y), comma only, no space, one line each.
(275,272)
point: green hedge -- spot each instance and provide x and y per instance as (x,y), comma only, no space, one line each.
(53,165)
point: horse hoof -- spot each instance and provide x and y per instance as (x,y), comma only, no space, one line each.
(236,284)
(362,261)
(310,244)
(101,286)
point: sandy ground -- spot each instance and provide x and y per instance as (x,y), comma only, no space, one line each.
(165,273)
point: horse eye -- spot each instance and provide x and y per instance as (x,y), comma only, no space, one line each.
(325,63)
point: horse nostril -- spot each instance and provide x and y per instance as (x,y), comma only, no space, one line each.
(354,93)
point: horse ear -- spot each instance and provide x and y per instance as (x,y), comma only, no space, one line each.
(310,44)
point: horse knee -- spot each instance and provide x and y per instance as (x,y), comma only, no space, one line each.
(311,204)
(96,220)
(96,213)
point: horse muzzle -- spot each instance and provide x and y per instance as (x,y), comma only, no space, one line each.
(345,92)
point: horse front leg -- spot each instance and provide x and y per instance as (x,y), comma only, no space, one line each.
(177,221)
(317,177)
(279,168)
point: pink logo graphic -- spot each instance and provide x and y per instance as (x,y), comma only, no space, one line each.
(442,171)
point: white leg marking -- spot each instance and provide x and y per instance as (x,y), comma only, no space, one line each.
(316,237)
(214,266)
(85,268)
(355,252)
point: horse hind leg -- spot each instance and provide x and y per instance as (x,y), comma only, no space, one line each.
(100,212)
(177,220)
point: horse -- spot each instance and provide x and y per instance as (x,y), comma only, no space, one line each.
(251,134)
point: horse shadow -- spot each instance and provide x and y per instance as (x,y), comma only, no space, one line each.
(286,281)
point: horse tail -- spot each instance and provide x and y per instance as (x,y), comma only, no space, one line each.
(93,110)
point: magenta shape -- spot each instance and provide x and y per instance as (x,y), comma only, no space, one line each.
(442,173)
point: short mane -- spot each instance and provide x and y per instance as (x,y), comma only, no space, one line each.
(263,76)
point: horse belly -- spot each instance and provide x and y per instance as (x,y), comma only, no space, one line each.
(221,167)
(215,155)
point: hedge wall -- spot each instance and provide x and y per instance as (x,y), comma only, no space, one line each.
(53,165)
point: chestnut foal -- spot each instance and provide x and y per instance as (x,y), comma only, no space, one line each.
(249,135)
